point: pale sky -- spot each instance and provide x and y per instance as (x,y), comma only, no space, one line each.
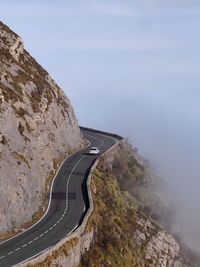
(131,67)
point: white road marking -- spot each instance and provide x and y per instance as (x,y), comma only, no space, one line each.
(102,142)
(67,196)
(67,186)
(49,204)
(110,137)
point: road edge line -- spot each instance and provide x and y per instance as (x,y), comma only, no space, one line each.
(50,192)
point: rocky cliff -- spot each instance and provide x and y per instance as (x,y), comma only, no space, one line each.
(123,234)
(38,127)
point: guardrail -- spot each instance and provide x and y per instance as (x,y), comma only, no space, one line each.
(118,137)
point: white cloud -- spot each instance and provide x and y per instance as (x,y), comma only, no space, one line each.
(162,3)
(112,9)
(140,8)
(118,45)
(31,10)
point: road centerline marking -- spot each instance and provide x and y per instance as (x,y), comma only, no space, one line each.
(67,199)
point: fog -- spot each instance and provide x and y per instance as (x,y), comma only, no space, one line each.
(130,67)
(162,121)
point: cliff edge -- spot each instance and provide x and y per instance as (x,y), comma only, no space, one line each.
(118,230)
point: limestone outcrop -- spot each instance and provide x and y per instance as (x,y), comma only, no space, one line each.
(160,248)
(37,128)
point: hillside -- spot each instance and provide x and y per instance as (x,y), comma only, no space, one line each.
(120,229)
(125,233)
(38,128)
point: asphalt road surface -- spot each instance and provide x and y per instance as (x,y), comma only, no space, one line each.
(66,210)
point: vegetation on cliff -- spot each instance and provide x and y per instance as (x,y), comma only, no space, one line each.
(124,232)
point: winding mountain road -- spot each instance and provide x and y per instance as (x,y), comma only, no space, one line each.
(67,206)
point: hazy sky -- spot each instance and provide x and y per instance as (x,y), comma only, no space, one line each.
(130,66)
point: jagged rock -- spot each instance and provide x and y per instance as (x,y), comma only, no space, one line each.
(17,49)
(160,248)
(37,125)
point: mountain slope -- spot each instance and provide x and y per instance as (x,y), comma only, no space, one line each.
(123,234)
(38,127)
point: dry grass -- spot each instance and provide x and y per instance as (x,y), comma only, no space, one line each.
(38,215)
(64,250)
(113,221)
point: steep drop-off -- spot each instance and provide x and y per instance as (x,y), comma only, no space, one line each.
(38,127)
(121,230)
(124,232)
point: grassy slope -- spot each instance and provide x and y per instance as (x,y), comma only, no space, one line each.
(113,219)
(116,211)
(114,216)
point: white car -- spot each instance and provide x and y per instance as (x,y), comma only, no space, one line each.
(94,151)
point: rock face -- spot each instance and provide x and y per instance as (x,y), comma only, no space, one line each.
(37,127)
(67,252)
(72,257)
(123,235)
(160,248)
